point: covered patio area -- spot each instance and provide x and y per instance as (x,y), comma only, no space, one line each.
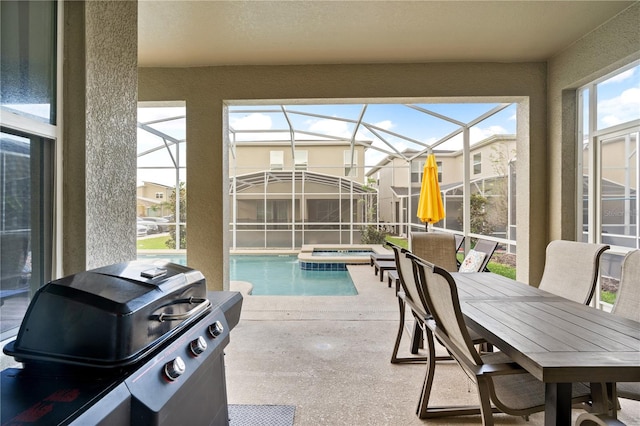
(329,357)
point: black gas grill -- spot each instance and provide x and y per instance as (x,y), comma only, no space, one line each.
(130,343)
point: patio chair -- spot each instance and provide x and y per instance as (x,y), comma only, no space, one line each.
(571,269)
(459,241)
(393,274)
(499,380)
(379,256)
(478,258)
(628,306)
(383,265)
(408,295)
(437,247)
(488,248)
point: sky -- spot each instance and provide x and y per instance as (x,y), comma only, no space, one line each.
(618,102)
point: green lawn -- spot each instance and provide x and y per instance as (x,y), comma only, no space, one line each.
(402,242)
(607,296)
(153,243)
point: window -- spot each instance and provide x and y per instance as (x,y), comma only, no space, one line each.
(276,160)
(302,160)
(350,167)
(159,195)
(28,75)
(26,222)
(417,167)
(28,66)
(609,141)
(477,164)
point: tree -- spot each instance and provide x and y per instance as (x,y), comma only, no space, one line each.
(370,234)
(479,223)
(498,204)
(182,217)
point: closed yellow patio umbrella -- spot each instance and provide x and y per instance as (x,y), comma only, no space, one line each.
(430,207)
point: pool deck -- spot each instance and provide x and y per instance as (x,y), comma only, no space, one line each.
(329,357)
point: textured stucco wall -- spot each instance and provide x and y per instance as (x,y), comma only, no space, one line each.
(606,49)
(100,113)
(206,89)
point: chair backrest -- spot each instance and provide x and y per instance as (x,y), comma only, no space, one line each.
(438,248)
(441,297)
(407,277)
(628,300)
(487,247)
(459,241)
(571,269)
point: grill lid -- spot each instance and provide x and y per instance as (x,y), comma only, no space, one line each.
(111,316)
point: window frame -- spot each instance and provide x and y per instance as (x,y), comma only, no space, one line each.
(25,125)
(274,156)
(301,159)
(477,163)
(350,167)
(589,137)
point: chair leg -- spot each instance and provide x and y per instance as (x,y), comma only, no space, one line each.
(425,412)
(416,338)
(604,399)
(485,401)
(394,356)
(486,347)
(423,402)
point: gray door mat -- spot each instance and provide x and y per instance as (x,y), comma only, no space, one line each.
(261,415)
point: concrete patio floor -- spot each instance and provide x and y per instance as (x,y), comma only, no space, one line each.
(329,357)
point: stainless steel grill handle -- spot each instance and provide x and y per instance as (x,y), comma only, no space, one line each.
(203,304)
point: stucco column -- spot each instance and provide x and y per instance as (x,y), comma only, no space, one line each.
(99,137)
(207,231)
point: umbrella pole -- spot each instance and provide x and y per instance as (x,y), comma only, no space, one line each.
(426,227)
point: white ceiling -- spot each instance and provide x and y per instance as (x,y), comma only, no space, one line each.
(199,33)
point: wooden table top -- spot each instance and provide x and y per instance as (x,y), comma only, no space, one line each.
(555,339)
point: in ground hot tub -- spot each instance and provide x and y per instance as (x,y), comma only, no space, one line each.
(327,257)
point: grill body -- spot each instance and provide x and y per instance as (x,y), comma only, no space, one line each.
(180,380)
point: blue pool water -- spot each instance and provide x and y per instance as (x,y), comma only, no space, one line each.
(279,275)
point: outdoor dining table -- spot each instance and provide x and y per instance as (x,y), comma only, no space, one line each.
(557,340)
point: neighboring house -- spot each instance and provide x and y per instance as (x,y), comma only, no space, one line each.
(398,182)
(284,197)
(153,199)
(618,209)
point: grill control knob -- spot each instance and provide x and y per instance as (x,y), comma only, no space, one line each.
(216,329)
(174,369)
(198,346)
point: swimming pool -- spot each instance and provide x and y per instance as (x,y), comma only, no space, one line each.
(278,275)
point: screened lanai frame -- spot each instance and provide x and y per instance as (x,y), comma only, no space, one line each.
(167,155)
(358,131)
